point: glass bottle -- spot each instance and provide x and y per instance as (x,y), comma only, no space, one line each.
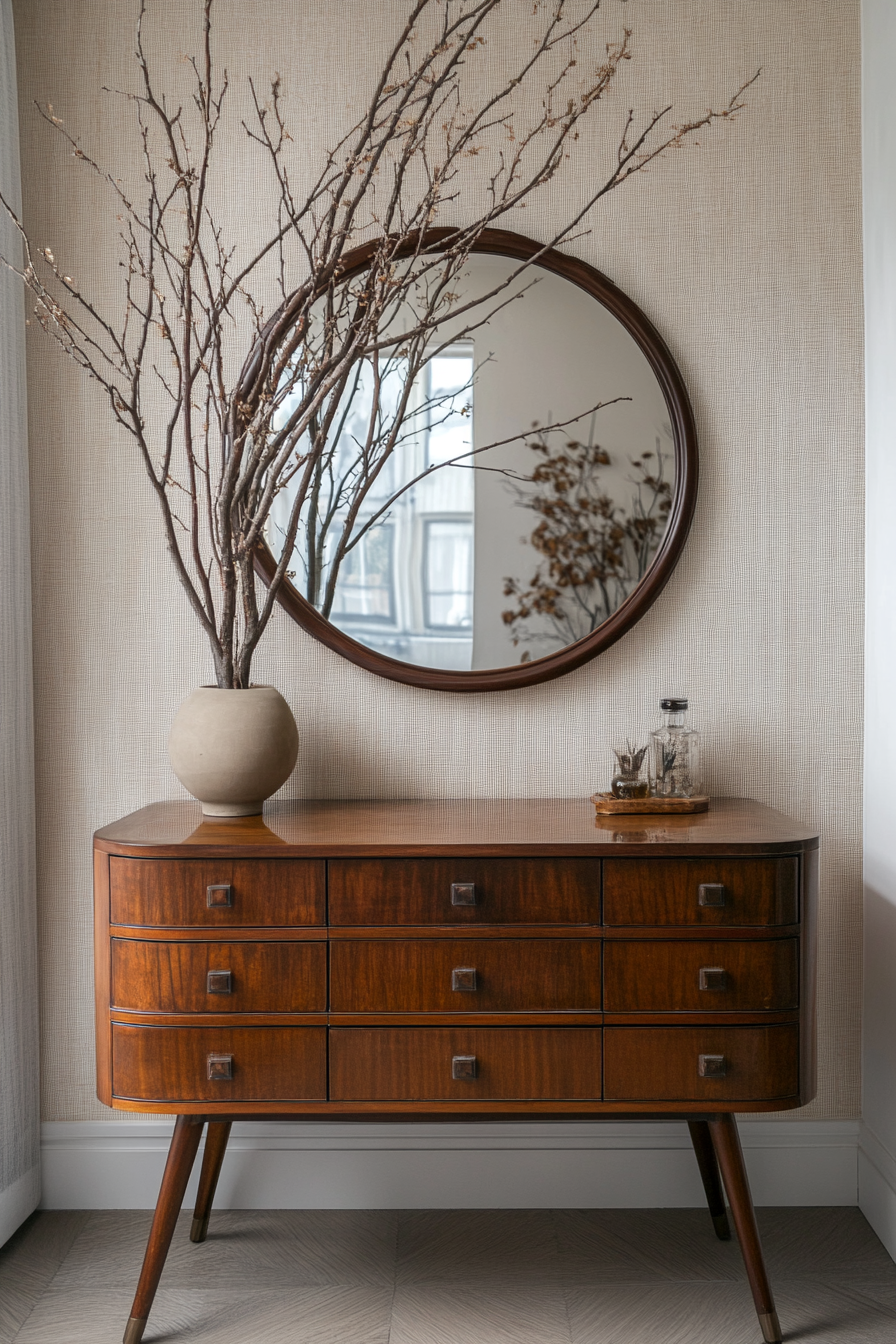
(630,780)
(675,754)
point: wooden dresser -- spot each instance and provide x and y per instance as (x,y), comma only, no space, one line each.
(468,959)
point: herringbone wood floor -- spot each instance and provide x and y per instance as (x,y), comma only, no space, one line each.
(451,1277)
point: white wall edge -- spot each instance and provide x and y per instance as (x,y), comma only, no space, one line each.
(877,1186)
(118,1164)
(17,1201)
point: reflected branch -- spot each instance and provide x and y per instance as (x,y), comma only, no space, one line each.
(594,549)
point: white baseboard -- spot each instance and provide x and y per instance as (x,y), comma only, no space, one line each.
(118,1164)
(877,1186)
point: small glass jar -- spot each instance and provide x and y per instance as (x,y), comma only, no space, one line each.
(675,754)
(630,779)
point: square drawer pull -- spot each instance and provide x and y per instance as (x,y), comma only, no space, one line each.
(221,982)
(220,1068)
(464,1067)
(713,977)
(463,978)
(712,1066)
(463,893)
(219,896)
(711,893)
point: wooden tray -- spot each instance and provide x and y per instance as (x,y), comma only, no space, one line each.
(606,804)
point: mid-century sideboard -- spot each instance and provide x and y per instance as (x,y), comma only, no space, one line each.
(469,959)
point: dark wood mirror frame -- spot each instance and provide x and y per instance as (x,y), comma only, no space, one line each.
(684,436)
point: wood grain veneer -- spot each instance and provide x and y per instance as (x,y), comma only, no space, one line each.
(414,1064)
(664,976)
(401,1112)
(457,827)
(508,932)
(809,976)
(264,978)
(395,936)
(175,892)
(102,976)
(170,1064)
(587,981)
(411,976)
(661,1063)
(418,891)
(652,891)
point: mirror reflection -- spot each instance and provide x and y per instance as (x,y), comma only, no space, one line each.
(504,499)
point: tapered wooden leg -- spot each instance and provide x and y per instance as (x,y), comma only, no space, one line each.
(181,1156)
(709,1173)
(215,1147)
(726,1142)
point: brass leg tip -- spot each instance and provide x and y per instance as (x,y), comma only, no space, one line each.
(771,1328)
(199,1229)
(720,1223)
(133,1331)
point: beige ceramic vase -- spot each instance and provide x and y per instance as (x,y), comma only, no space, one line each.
(233,749)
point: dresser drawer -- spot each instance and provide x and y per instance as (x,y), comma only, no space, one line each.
(723,976)
(464,891)
(464,1064)
(219,977)
(700,891)
(464,975)
(217,893)
(219,1064)
(665,1063)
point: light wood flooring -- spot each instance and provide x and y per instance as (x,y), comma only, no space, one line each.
(606,1276)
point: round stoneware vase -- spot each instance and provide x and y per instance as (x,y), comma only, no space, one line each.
(233,749)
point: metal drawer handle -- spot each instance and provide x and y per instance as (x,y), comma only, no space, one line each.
(464,1067)
(219,895)
(463,978)
(463,893)
(713,977)
(220,1068)
(219,982)
(711,893)
(712,1066)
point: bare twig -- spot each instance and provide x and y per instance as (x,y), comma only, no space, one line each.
(226,440)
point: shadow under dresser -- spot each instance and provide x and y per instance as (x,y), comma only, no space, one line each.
(471,959)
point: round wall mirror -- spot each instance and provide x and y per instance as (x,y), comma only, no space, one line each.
(499,503)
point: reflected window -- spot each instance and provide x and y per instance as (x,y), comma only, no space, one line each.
(448,574)
(365,590)
(448,397)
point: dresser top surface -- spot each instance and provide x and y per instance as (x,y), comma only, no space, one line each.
(486,826)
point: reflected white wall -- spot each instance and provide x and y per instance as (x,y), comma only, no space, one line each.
(554,352)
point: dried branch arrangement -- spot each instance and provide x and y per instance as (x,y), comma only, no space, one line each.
(221,436)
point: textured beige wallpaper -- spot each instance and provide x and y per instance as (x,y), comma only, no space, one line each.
(745,252)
